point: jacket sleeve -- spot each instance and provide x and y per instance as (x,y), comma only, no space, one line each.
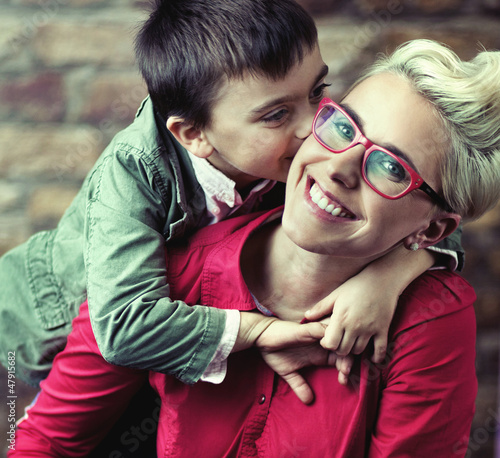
(135,322)
(427,404)
(453,254)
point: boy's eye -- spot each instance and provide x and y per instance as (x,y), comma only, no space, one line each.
(276,116)
(319,91)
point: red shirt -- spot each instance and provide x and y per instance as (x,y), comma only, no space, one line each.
(419,403)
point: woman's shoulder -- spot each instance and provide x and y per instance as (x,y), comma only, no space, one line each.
(437,294)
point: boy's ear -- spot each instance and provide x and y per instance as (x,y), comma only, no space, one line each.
(190,137)
(439,228)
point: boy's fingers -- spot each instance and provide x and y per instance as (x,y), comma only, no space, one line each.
(299,386)
(347,344)
(344,366)
(312,331)
(283,334)
(360,345)
(321,309)
(346,363)
(343,379)
(334,335)
(379,349)
(331,359)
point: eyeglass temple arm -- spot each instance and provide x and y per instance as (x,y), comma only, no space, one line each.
(437,198)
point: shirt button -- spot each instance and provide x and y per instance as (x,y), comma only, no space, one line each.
(262,399)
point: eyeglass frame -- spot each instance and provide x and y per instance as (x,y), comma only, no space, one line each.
(417,182)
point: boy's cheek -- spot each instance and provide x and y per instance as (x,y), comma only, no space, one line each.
(287,173)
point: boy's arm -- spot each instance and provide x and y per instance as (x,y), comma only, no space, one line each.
(449,252)
(363,306)
(135,322)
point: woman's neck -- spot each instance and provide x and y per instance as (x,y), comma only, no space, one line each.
(286,279)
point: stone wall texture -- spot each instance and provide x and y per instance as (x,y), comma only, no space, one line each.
(68,83)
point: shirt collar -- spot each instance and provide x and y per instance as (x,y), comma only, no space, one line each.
(223,285)
(222,197)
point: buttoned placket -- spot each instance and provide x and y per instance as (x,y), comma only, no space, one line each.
(257,417)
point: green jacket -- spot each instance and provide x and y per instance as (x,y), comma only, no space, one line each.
(109,247)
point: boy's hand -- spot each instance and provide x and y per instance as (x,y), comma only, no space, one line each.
(363,307)
(286,347)
(344,366)
(357,315)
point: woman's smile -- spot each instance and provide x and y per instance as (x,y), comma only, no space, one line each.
(325,203)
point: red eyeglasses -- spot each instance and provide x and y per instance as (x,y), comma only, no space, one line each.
(386,173)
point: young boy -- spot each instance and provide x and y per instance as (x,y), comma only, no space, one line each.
(233,87)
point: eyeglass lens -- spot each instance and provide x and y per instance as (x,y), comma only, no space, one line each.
(385,172)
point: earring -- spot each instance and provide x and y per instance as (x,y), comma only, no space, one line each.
(414,247)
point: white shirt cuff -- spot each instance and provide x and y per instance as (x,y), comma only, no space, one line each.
(452,259)
(216,370)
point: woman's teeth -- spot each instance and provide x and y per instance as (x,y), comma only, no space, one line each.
(325,204)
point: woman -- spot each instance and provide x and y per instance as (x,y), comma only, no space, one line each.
(355,192)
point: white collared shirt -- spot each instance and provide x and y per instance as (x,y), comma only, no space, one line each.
(222,197)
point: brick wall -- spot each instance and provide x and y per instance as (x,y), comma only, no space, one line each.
(68,83)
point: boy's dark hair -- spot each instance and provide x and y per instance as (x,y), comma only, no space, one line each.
(187,49)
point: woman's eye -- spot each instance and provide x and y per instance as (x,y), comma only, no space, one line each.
(319,91)
(395,169)
(345,130)
(392,169)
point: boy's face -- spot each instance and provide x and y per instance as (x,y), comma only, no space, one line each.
(258,124)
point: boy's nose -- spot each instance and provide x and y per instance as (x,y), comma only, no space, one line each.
(304,125)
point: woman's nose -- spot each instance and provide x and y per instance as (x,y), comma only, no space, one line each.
(345,168)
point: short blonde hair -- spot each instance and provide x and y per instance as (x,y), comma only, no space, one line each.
(466,96)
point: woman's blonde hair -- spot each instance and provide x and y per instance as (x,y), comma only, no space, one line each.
(466,95)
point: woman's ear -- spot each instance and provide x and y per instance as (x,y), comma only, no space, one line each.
(190,137)
(439,228)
